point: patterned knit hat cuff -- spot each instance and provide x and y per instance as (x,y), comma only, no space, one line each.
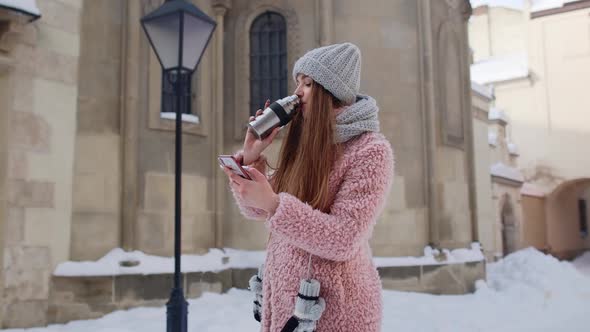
(325,77)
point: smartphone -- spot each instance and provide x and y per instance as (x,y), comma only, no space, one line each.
(232,163)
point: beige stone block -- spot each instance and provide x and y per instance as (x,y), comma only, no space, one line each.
(409,163)
(17,164)
(29,131)
(14,227)
(462,226)
(67,312)
(454,196)
(23,285)
(64,100)
(89,194)
(38,225)
(159,193)
(397,197)
(97,154)
(445,164)
(74,3)
(27,257)
(31,193)
(23,95)
(54,66)
(25,58)
(98,115)
(152,232)
(61,15)
(398,227)
(112,201)
(382,234)
(29,35)
(27,272)
(203,232)
(94,234)
(241,233)
(58,40)
(197,289)
(422,234)
(26,314)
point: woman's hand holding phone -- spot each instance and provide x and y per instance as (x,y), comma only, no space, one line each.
(253,147)
(256,192)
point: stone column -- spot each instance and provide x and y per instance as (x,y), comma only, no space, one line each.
(326,22)
(5,101)
(130,58)
(429,116)
(446,106)
(220,8)
(9,36)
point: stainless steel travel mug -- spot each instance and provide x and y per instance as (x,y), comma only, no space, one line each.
(276,114)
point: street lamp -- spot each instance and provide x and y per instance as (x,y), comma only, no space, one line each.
(179,33)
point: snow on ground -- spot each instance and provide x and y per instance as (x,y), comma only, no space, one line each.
(525,292)
(582,263)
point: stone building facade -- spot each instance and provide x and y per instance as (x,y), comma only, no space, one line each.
(536,55)
(86,157)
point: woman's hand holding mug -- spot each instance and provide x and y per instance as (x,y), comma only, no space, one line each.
(253,147)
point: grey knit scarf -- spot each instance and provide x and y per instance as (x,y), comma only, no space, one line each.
(357,118)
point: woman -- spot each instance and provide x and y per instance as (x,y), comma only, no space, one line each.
(334,174)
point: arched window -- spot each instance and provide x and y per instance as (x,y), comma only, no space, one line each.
(268,59)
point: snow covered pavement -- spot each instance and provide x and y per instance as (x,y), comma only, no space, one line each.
(526,291)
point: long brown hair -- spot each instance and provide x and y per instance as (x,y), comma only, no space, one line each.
(308,152)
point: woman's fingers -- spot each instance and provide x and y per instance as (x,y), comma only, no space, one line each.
(272,135)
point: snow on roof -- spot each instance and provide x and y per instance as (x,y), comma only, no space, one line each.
(512,4)
(28,7)
(486,91)
(492,138)
(540,5)
(536,5)
(498,69)
(513,149)
(502,170)
(497,114)
(530,189)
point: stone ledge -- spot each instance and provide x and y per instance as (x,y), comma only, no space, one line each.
(74,298)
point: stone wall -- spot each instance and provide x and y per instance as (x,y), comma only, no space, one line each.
(92,297)
(96,193)
(486,221)
(40,123)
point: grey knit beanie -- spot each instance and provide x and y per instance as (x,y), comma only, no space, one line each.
(336,67)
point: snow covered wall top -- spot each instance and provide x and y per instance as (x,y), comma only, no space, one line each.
(28,7)
(536,5)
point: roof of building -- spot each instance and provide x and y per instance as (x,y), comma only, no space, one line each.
(27,7)
(498,69)
(536,5)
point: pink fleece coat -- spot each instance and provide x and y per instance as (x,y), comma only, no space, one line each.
(339,241)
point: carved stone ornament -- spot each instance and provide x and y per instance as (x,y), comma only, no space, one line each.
(459,9)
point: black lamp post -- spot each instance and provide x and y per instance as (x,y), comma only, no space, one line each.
(179,33)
